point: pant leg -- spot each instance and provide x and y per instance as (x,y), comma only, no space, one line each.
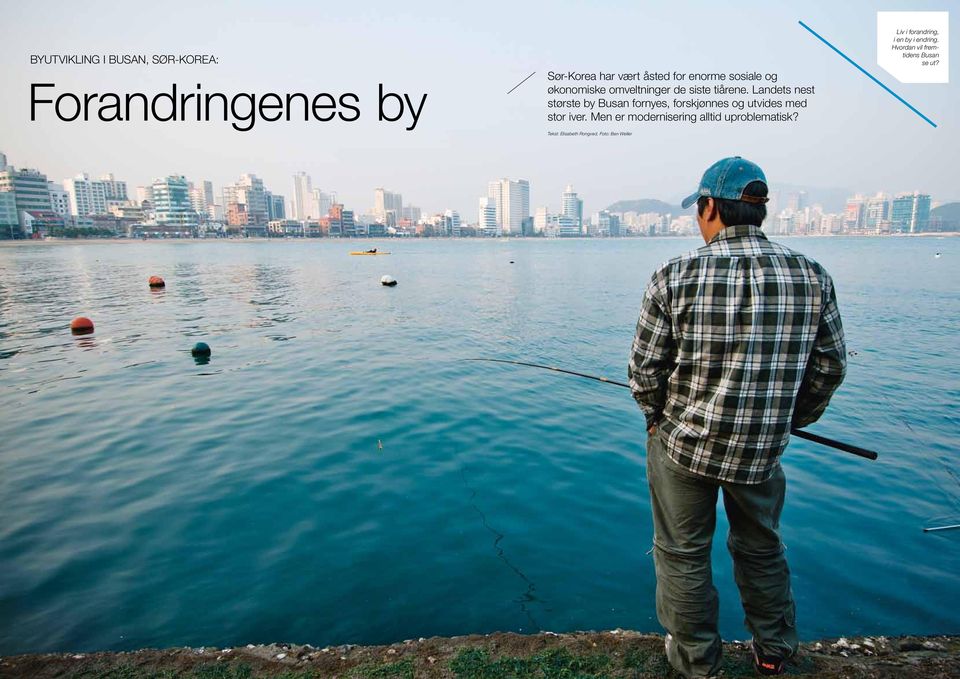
(759,564)
(684,516)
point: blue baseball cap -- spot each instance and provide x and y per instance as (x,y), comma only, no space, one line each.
(728,178)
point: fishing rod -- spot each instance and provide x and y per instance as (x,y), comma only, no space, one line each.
(799,433)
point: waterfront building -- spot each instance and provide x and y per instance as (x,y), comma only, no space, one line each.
(566,226)
(796,201)
(171,205)
(340,222)
(606,224)
(31,192)
(876,214)
(304,206)
(40,223)
(145,194)
(59,199)
(275,207)
(451,222)
(113,188)
(285,228)
(278,209)
(9,221)
(198,200)
(487,217)
(323,202)
(87,196)
(312,228)
(207,187)
(511,202)
(30,187)
(831,224)
(571,206)
(387,207)
(541,220)
(910,213)
(854,214)
(246,203)
(128,211)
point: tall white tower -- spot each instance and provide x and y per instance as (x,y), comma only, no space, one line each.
(303,196)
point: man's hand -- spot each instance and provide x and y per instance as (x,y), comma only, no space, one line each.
(652,430)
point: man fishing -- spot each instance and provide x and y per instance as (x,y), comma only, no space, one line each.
(736,342)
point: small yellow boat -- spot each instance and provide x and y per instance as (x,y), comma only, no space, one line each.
(369,252)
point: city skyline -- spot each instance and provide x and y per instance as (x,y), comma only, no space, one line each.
(852,135)
(177,205)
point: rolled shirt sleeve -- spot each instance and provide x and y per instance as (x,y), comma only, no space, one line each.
(827,365)
(653,352)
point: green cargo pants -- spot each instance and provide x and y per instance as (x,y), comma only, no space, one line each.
(684,516)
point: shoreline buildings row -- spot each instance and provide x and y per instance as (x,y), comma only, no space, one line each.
(32,206)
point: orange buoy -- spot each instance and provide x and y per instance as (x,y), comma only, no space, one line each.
(157,282)
(81,325)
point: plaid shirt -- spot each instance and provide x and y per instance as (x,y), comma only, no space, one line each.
(736,342)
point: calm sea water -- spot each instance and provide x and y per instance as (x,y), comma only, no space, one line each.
(338,474)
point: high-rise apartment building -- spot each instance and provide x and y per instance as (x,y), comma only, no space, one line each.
(541,221)
(876,213)
(571,207)
(304,206)
(208,199)
(59,199)
(854,214)
(198,200)
(340,222)
(796,201)
(487,217)
(171,203)
(275,207)
(387,207)
(87,196)
(511,201)
(113,188)
(245,202)
(910,213)
(323,202)
(605,224)
(31,191)
(451,223)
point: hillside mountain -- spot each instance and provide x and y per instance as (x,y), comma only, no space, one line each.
(948,212)
(646,205)
(831,199)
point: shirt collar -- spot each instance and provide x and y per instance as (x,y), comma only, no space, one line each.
(740,231)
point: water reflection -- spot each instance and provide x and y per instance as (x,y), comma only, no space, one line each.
(86,341)
(272,293)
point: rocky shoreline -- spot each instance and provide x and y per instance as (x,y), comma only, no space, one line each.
(580,655)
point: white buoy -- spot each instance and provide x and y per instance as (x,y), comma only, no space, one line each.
(389,281)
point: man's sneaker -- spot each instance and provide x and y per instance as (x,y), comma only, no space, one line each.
(768,665)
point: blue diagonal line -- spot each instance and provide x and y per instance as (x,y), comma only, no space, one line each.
(866,73)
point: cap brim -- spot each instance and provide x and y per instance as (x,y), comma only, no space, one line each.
(690,200)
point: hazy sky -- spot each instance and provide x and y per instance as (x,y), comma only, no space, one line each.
(466,56)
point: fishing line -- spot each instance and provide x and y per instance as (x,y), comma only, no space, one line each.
(799,433)
(528,596)
(950,472)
